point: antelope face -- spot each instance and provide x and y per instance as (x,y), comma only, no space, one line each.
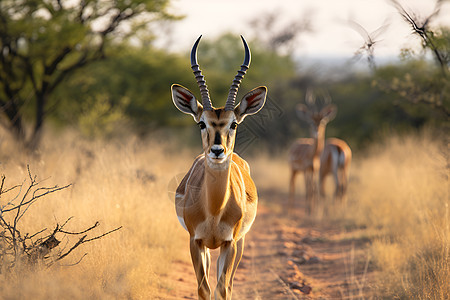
(218,129)
(218,125)
(316,118)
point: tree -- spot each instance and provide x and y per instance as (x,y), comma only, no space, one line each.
(132,88)
(44,41)
(423,84)
(436,41)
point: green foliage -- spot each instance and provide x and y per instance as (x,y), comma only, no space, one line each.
(141,76)
(367,103)
(43,42)
(420,90)
(99,118)
(441,40)
(144,76)
(360,111)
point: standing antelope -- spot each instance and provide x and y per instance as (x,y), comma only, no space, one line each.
(336,159)
(216,200)
(305,153)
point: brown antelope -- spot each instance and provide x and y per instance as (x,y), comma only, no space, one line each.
(305,153)
(216,200)
(336,159)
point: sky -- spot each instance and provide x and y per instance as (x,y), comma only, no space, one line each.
(331,34)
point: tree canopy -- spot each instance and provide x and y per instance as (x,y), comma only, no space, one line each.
(45,41)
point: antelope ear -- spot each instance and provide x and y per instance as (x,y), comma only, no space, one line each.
(328,113)
(251,103)
(185,101)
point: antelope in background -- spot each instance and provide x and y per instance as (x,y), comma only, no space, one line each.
(305,153)
(315,158)
(336,159)
(216,200)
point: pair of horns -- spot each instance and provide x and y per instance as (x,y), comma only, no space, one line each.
(311,101)
(206,100)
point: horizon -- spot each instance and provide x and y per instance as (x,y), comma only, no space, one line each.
(331,34)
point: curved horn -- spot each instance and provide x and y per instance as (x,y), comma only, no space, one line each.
(206,101)
(229,105)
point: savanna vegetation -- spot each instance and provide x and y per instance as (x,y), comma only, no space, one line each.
(116,184)
(401,198)
(90,107)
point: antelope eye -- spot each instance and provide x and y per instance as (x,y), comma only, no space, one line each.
(233,125)
(201,124)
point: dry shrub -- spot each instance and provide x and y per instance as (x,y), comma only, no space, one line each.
(121,183)
(400,193)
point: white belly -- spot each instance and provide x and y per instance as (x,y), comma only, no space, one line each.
(181,220)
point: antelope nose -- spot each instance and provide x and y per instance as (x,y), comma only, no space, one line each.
(217,151)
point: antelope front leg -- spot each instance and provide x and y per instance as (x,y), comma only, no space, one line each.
(292,189)
(201,260)
(322,185)
(225,270)
(239,252)
(309,187)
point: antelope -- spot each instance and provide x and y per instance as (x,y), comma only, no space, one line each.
(336,159)
(305,153)
(216,200)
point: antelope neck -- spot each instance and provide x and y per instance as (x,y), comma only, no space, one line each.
(217,186)
(319,141)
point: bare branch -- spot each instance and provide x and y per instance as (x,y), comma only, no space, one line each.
(37,233)
(65,223)
(2,184)
(80,241)
(81,232)
(76,263)
(2,209)
(34,247)
(100,236)
(421,28)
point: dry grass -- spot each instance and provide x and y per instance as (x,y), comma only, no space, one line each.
(400,193)
(398,197)
(119,184)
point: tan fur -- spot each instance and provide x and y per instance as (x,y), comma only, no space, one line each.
(242,198)
(304,156)
(223,225)
(331,164)
(216,200)
(305,153)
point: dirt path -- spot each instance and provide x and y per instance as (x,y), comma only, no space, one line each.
(291,257)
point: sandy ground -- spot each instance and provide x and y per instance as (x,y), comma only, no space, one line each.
(290,256)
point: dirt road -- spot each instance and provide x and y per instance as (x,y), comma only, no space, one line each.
(290,256)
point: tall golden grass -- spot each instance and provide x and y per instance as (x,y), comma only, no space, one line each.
(399,192)
(118,184)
